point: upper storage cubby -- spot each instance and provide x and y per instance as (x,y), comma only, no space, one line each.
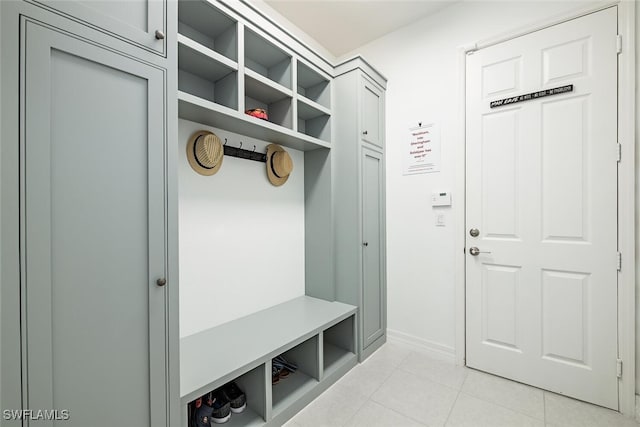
(313,86)
(207,53)
(228,65)
(266,59)
(205,77)
(203,23)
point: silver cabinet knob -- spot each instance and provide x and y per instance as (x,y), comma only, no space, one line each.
(161,281)
(475,251)
(159,35)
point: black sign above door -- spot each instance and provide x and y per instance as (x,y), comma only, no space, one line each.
(531,96)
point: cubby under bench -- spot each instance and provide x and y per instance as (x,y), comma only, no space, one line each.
(317,335)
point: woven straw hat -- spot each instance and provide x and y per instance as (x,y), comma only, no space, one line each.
(205,152)
(279,165)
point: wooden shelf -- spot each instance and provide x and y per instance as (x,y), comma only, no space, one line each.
(231,349)
(307,109)
(291,389)
(335,358)
(185,56)
(199,110)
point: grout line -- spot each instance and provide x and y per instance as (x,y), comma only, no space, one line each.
(544,407)
(452,406)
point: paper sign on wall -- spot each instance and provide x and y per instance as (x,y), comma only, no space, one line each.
(423,150)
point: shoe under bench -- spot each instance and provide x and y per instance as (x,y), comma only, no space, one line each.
(317,335)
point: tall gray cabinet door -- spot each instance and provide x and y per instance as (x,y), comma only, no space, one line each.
(372,110)
(133,20)
(94,232)
(372,232)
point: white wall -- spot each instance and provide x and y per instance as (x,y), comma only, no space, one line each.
(421,63)
(241,238)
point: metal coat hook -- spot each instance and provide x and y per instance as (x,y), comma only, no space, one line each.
(242,153)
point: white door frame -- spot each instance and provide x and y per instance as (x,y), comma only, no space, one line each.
(626,187)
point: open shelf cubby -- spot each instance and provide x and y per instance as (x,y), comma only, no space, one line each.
(252,384)
(306,356)
(314,120)
(313,85)
(266,59)
(203,76)
(203,23)
(273,98)
(338,346)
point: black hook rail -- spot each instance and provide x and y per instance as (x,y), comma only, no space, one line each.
(244,154)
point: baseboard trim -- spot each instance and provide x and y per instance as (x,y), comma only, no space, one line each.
(421,344)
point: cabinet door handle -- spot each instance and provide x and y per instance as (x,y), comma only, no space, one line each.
(365,243)
(159,35)
(364,132)
(161,281)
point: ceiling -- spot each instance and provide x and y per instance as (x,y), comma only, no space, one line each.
(344,25)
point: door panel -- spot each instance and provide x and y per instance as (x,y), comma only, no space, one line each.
(372,308)
(542,189)
(372,113)
(94,238)
(133,20)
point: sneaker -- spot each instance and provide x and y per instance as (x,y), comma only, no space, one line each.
(221,407)
(202,415)
(282,362)
(235,396)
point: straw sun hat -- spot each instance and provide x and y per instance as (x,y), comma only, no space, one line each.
(279,165)
(205,152)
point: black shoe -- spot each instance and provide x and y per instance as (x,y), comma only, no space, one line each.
(221,407)
(235,396)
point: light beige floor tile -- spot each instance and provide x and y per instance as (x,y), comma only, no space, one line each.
(291,423)
(366,378)
(441,371)
(510,394)
(372,414)
(469,411)
(390,355)
(332,408)
(562,411)
(418,398)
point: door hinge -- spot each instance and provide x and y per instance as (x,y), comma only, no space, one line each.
(619,152)
(618,43)
(619,368)
(619,261)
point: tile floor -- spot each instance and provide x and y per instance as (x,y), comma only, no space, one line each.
(401,387)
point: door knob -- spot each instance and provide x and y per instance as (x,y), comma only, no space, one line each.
(159,35)
(475,251)
(474,232)
(161,281)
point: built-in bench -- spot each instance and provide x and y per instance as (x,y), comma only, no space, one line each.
(317,335)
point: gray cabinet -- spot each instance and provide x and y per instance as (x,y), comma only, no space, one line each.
(373,292)
(98,325)
(142,22)
(371,113)
(359,199)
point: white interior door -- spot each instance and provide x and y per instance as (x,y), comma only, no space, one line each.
(541,190)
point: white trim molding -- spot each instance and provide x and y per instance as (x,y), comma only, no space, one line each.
(627,208)
(438,350)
